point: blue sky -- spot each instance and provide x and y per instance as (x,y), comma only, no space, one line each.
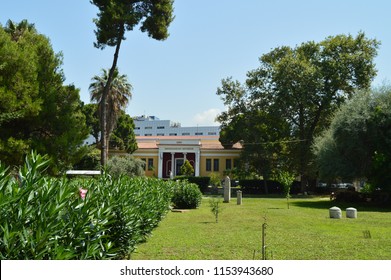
(209,40)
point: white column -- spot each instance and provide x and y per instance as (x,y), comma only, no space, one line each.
(160,165)
(184,157)
(172,163)
(227,189)
(197,163)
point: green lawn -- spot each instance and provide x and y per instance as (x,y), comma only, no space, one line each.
(303,232)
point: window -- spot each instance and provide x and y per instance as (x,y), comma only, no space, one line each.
(160,127)
(160,134)
(173,134)
(148,134)
(216,164)
(150,164)
(148,127)
(198,133)
(228,164)
(137,128)
(185,133)
(208,164)
(212,133)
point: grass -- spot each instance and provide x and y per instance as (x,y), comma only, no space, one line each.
(303,232)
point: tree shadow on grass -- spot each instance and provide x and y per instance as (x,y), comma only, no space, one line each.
(326,204)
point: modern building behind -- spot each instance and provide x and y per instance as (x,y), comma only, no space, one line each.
(153,126)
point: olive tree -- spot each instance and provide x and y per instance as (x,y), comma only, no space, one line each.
(357,143)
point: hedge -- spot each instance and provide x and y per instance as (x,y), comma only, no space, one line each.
(259,187)
(271,187)
(202,181)
(50,218)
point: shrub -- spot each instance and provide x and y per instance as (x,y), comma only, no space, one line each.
(125,165)
(137,205)
(186,195)
(349,196)
(215,179)
(46,218)
(260,187)
(202,182)
(90,161)
(215,207)
(286,179)
(187,169)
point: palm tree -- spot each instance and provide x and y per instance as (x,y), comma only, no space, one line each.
(18,29)
(120,92)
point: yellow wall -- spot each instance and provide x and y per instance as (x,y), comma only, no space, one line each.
(151,172)
(221,156)
(148,154)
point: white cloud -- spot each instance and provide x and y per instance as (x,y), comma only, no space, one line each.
(207,118)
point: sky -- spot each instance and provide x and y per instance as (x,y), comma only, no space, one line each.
(209,40)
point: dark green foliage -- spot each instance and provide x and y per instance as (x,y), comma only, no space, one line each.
(90,161)
(202,182)
(289,99)
(116,17)
(92,119)
(123,137)
(186,195)
(37,111)
(46,218)
(349,196)
(260,186)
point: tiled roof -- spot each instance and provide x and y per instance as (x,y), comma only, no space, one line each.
(207,142)
(187,137)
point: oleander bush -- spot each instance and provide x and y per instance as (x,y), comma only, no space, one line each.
(56,218)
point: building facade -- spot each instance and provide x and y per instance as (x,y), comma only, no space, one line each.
(164,146)
(164,155)
(153,126)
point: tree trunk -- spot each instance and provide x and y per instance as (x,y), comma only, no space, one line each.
(104,134)
(103,125)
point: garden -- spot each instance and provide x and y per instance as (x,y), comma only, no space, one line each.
(303,232)
(121,217)
(45,217)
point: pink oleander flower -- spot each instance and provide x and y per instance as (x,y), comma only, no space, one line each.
(83,193)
